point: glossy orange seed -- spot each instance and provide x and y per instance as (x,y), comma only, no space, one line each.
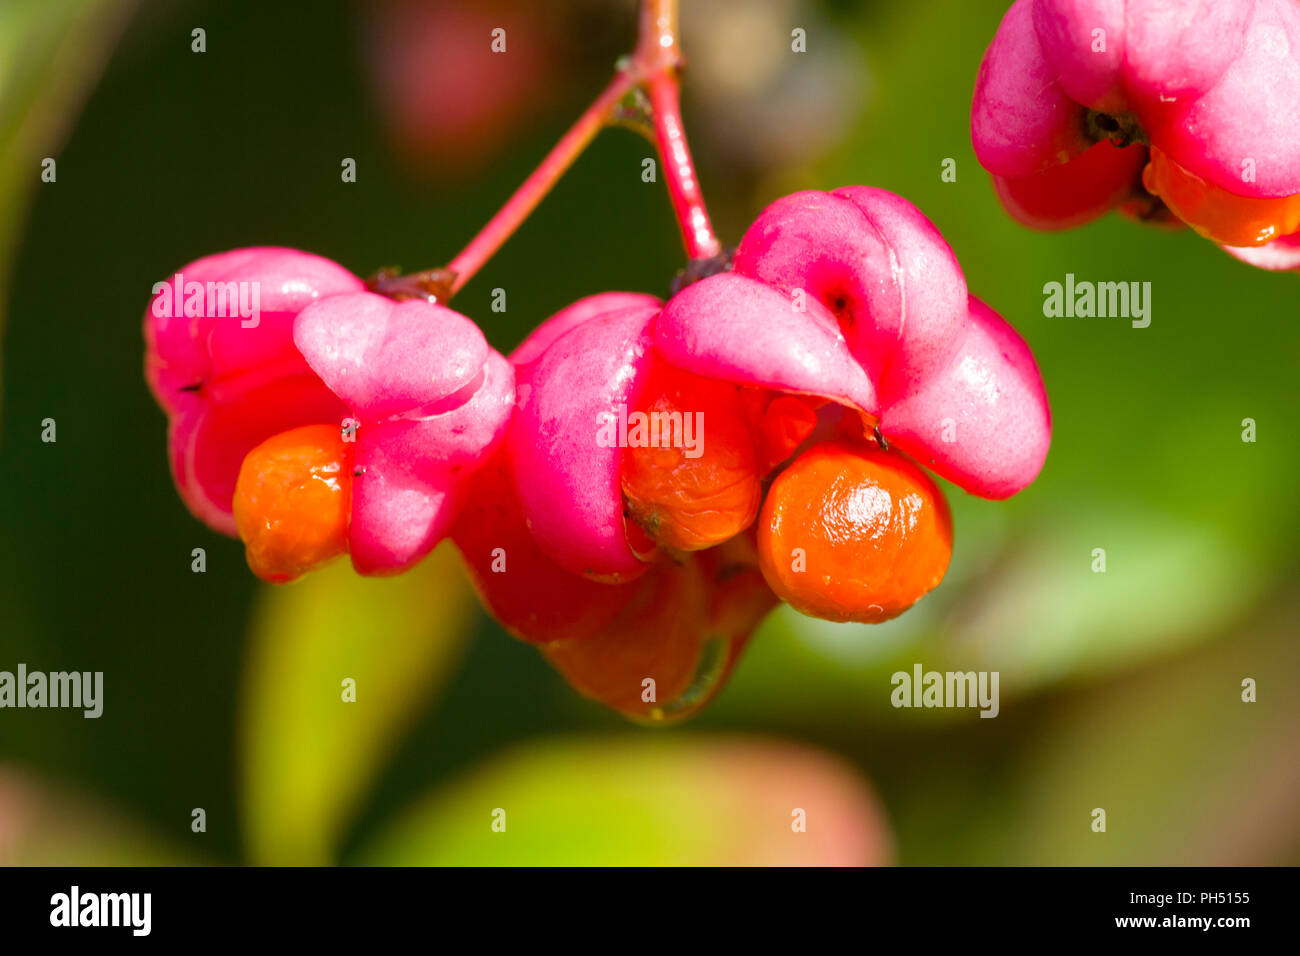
(1216,213)
(691,494)
(851,532)
(292,501)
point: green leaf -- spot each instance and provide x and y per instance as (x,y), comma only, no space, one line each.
(1188,773)
(637,800)
(308,754)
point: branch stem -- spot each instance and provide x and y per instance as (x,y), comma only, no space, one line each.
(652,67)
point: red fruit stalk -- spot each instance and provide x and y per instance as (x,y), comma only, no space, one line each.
(652,67)
(534,189)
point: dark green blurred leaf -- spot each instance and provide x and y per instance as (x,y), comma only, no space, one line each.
(1188,773)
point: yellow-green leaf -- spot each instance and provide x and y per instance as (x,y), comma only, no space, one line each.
(309,752)
(638,799)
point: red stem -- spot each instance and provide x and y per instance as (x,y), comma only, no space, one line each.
(652,66)
(658,51)
(534,189)
(679,170)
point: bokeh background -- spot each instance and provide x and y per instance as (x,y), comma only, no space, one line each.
(1119,690)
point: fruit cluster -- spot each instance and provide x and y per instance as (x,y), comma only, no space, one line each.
(341,422)
(838,355)
(1173,111)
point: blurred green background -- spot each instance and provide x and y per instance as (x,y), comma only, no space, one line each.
(1119,690)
